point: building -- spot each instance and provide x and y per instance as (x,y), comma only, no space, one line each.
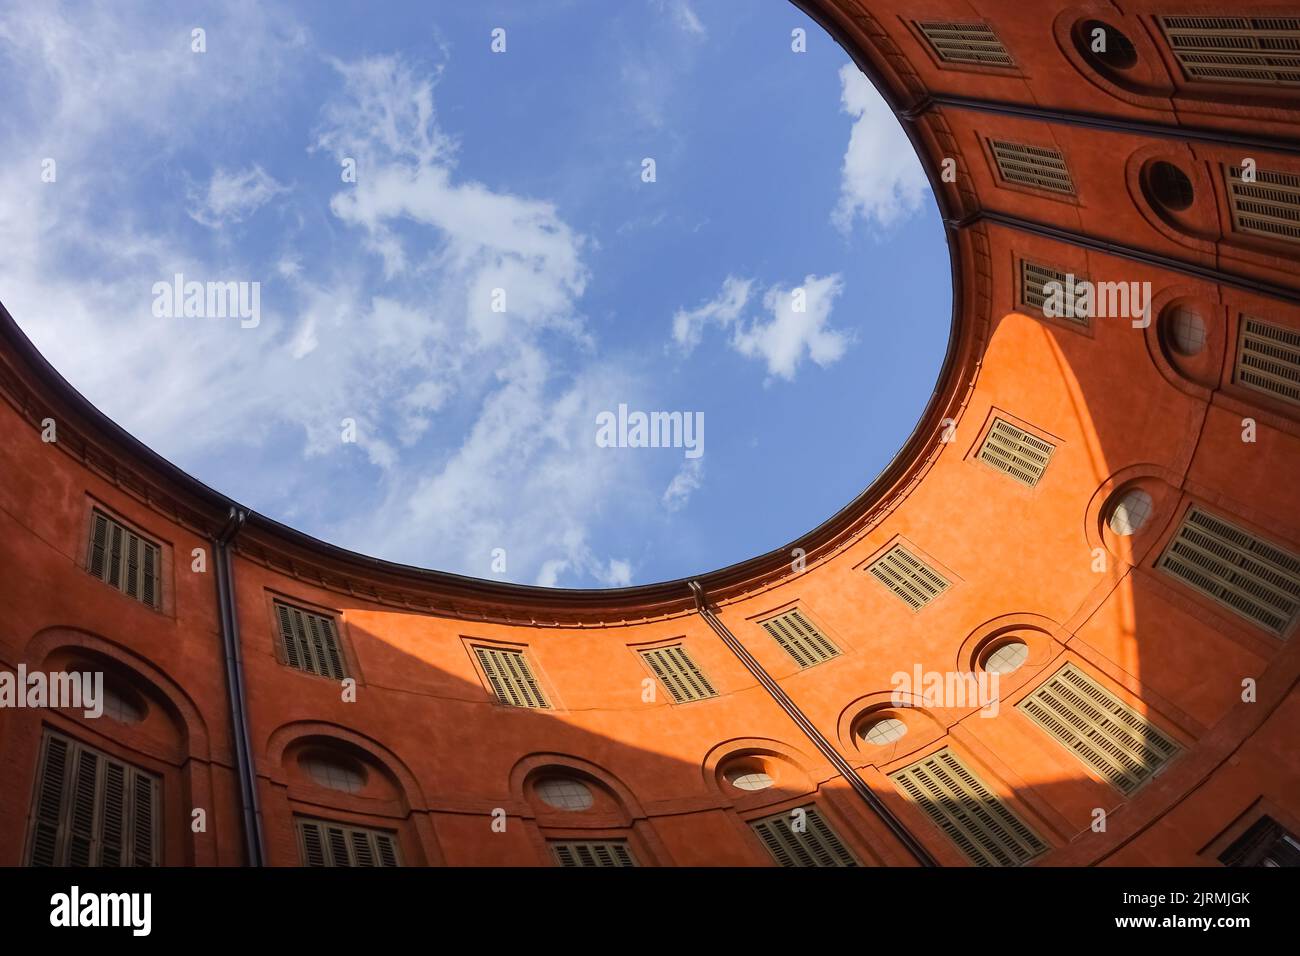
(1099,506)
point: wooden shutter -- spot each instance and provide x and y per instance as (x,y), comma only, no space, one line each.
(510,677)
(914,581)
(1269,206)
(1104,733)
(815,845)
(1015,452)
(1265,843)
(1246,574)
(965,43)
(122,559)
(967,811)
(1268,359)
(1042,167)
(597,853)
(800,638)
(1258,50)
(310,641)
(325,843)
(91,810)
(1034,277)
(678,673)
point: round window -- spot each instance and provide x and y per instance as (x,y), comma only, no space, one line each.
(1007,657)
(1130,512)
(122,707)
(1103,44)
(1186,331)
(565,793)
(1169,186)
(751,780)
(335,774)
(883,731)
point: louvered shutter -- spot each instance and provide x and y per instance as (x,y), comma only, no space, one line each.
(592,853)
(678,673)
(1268,359)
(1269,206)
(817,845)
(310,641)
(47,828)
(510,677)
(1042,167)
(1015,452)
(799,638)
(1256,50)
(914,581)
(1105,734)
(965,43)
(124,560)
(967,811)
(323,843)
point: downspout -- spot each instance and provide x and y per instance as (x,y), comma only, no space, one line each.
(254,847)
(919,852)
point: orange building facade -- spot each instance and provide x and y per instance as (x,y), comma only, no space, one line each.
(1100,509)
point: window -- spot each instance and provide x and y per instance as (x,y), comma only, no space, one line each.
(1105,734)
(1260,50)
(124,560)
(1265,843)
(1034,279)
(323,843)
(92,810)
(565,793)
(310,641)
(1186,330)
(122,706)
(1247,575)
(592,853)
(1269,206)
(800,639)
(884,731)
(1131,512)
(1268,359)
(1007,658)
(678,673)
(1168,186)
(1117,51)
(968,812)
(1039,166)
(1015,452)
(802,838)
(335,774)
(965,43)
(914,581)
(511,678)
(752,781)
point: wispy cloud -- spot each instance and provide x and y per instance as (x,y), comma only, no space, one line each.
(688,480)
(232,197)
(723,310)
(881,180)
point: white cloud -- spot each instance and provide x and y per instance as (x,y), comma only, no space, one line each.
(233,197)
(798,326)
(684,16)
(687,481)
(723,310)
(881,180)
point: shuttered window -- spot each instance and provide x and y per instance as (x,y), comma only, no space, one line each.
(1015,452)
(814,843)
(1269,206)
(968,812)
(324,843)
(121,558)
(914,581)
(92,810)
(310,641)
(1265,843)
(800,639)
(965,43)
(592,853)
(1108,736)
(678,673)
(1257,580)
(1268,359)
(510,677)
(1039,166)
(1034,277)
(1260,50)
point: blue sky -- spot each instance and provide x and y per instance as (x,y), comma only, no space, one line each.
(778,176)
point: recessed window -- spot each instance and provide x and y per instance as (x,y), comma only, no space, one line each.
(324,843)
(1169,186)
(1015,452)
(592,853)
(1007,658)
(1266,205)
(1268,359)
(511,677)
(884,731)
(121,706)
(1262,51)
(1186,330)
(1026,164)
(336,774)
(310,641)
(121,558)
(800,638)
(1116,50)
(914,581)
(565,793)
(1131,512)
(751,780)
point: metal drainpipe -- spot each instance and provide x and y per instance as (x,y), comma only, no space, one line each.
(254,846)
(921,854)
